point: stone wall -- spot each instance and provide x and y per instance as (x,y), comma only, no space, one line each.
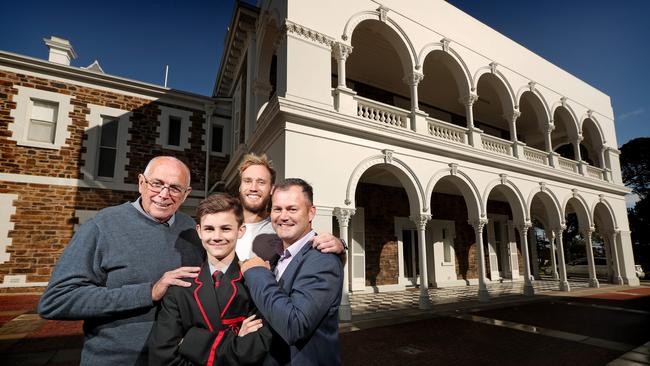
(44,217)
(383,203)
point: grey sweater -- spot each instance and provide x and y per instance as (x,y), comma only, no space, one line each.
(105,276)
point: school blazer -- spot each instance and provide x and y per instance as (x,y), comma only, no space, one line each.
(199,324)
(301,308)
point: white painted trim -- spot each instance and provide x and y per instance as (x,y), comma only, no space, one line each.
(19,281)
(7,209)
(93,132)
(163,127)
(21,116)
(20,64)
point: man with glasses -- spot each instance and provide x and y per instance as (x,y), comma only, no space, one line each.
(121,262)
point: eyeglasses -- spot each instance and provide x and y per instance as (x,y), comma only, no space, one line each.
(157,186)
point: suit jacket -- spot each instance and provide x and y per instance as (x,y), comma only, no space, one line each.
(302,308)
(199,324)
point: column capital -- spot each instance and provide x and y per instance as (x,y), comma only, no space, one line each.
(341,51)
(343,215)
(414,78)
(587,231)
(469,99)
(512,116)
(550,127)
(420,220)
(524,227)
(478,223)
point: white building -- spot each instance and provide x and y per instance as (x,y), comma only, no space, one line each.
(416,123)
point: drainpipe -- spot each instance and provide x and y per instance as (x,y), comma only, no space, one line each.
(209,109)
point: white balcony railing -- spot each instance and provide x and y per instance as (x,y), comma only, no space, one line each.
(568,164)
(595,172)
(496,145)
(380,112)
(447,131)
(535,155)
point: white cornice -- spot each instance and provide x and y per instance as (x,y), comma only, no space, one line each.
(93,79)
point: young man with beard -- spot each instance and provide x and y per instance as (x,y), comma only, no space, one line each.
(257,178)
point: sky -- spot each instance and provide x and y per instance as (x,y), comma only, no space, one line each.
(603,42)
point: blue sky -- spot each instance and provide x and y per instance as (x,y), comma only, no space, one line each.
(604,43)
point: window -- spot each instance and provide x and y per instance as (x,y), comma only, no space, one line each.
(220,136)
(41,118)
(107,148)
(174,132)
(173,128)
(217,138)
(42,124)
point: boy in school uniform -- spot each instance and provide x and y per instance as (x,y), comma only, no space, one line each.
(214,321)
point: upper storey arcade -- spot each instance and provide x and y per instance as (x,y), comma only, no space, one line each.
(427,68)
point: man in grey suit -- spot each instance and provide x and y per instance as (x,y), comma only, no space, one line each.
(300,297)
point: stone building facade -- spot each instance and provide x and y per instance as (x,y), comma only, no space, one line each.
(73,141)
(439,148)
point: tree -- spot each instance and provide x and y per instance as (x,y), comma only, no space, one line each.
(635,165)
(635,168)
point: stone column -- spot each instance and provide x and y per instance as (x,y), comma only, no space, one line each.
(548,144)
(617,267)
(341,52)
(578,155)
(593,281)
(551,235)
(419,122)
(517,146)
(473,133)
(532,240)
(528,282)
(557,233)
(343,96)
(421,223)
(343,216)
(478,225)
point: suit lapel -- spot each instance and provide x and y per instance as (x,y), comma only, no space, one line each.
(205,298)
(227,290)
(286,281)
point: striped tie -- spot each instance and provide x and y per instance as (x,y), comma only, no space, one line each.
(216,276)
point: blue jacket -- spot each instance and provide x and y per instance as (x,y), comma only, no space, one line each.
(302,308)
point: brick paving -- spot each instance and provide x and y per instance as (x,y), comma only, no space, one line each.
(26,339)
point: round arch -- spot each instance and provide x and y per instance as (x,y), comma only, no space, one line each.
(551,205)
(397,36)
(602,209)
(509,103)
(395,166)
(581,208)
(570,113)
(513,195)
(464,83)
(464,184)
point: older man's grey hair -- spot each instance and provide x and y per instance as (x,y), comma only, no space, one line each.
(169,158)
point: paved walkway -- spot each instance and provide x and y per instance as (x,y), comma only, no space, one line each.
(26,339)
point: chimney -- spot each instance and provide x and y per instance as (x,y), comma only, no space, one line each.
(61,51)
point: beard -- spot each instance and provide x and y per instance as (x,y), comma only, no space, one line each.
(257,207)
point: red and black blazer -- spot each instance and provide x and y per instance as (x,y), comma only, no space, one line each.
(199,324)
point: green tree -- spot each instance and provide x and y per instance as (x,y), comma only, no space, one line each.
(635,168)
(635,165)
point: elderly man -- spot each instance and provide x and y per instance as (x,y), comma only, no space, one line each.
(300,298)
(121,262)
